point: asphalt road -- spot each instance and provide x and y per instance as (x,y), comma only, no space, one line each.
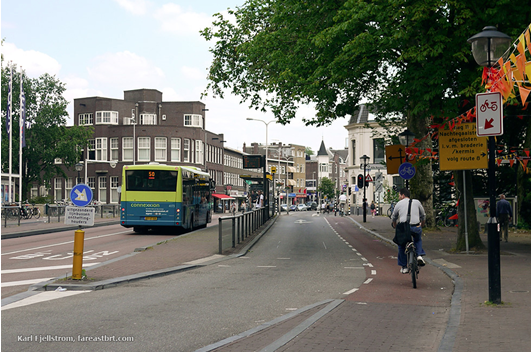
(300,261)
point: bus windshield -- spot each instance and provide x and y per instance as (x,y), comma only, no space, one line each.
(151,180)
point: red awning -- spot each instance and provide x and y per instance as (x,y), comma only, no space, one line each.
(221,196)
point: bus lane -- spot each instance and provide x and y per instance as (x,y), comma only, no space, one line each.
(33,259)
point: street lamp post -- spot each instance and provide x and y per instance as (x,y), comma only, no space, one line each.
(78,168)
(364,160)
(267,125)
(487,47)
(404,138)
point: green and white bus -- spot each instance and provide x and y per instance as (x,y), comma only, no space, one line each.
(164,196)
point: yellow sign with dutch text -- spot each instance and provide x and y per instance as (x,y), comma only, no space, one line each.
(462,149)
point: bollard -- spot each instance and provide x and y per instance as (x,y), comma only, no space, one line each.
(79,239)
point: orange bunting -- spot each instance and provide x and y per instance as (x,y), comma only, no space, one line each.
(524,93)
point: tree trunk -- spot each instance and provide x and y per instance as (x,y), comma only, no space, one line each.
(472,228)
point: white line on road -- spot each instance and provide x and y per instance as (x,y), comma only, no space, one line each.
(373,272)
(67,242)
(25,282)
(41,268)
(351,291)
(283,258)
(42,297)
(368,280)
(324,245)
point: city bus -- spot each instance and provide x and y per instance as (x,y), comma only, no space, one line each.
(157,196)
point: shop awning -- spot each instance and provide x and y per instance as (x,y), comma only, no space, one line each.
(221,196)
(292,183)
(292,169)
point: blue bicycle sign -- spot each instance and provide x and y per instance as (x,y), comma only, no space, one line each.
(407,171)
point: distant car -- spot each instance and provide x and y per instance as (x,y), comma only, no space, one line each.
(302,207)
(283,207)
(311,205)
(293,207)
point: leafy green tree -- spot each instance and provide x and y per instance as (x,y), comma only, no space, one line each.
(309,151)
(47,136)
(410,60)
(327,188)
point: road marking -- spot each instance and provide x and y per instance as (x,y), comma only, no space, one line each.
(351,291)
(266,266)
(364,259)
(373,272)
(67,242)
(223,266)
(368,280)
(324,245)
(25,282)
(42,297)
(283,258)
(368,264)
(41,268)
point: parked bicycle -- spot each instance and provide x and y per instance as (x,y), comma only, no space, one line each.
(391,209)
(412,263)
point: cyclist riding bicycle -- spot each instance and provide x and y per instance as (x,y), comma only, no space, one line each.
(342,203)
(418,216)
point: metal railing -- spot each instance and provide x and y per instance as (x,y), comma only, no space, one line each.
(53,211)
(239,226)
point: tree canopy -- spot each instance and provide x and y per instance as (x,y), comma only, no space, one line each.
(47,136)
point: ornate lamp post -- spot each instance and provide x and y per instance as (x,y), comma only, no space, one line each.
(78,168)
(364,159)
(487,47)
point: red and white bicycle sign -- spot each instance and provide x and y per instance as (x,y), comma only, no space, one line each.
(489,114)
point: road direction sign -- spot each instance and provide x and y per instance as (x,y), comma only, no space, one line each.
(81,195)
(462,149)
(395,155)
(489,114)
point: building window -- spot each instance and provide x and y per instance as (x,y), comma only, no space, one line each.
(68,187)
(34,191)
(115,183)
(148,119)
(101,149)
(193,120)
(92,182)
(102,189)
(353,159)
(161,147)
(378,150)
(186,150)
(199,151)
(114,149)
(91,149)
(144,151)
(176,149)
(106,117)
(58,189)
(127,149)
(85,119)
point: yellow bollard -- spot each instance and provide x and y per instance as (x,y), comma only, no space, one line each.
(79,240)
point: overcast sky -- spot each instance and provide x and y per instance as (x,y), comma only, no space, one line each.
(103,47)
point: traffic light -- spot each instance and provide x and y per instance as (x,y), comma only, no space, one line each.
(361,181)
(349,191)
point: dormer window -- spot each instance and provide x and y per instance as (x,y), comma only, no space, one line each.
(106,117)
(193,120)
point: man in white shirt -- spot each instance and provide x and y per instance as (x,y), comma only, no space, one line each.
(342,202)
(418,217)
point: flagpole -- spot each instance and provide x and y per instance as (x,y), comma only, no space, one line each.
(21,122)
(10,119)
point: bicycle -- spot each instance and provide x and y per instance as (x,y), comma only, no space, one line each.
(443,217)
(412,263)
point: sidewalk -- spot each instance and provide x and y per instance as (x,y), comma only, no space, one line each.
(473,325)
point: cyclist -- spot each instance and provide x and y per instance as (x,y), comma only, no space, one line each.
(342,203)
(418,216)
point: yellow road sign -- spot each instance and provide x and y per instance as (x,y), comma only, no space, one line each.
(394,157)
(462,149)
(273,169)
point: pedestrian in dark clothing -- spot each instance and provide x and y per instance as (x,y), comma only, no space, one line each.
(504,213)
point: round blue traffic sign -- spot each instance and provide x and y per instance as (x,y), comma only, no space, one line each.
(407,171)
(81,195)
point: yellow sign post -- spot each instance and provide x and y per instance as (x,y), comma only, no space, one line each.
(462,149)
(395,155)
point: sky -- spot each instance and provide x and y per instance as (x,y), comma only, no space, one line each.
(104,47)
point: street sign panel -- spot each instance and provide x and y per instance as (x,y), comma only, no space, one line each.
(81,195)
(407,171)
(82,216)
(368,178)
(462,149)
(394,155)
(489,114)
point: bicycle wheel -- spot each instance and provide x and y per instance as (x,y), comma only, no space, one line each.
(36,212)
